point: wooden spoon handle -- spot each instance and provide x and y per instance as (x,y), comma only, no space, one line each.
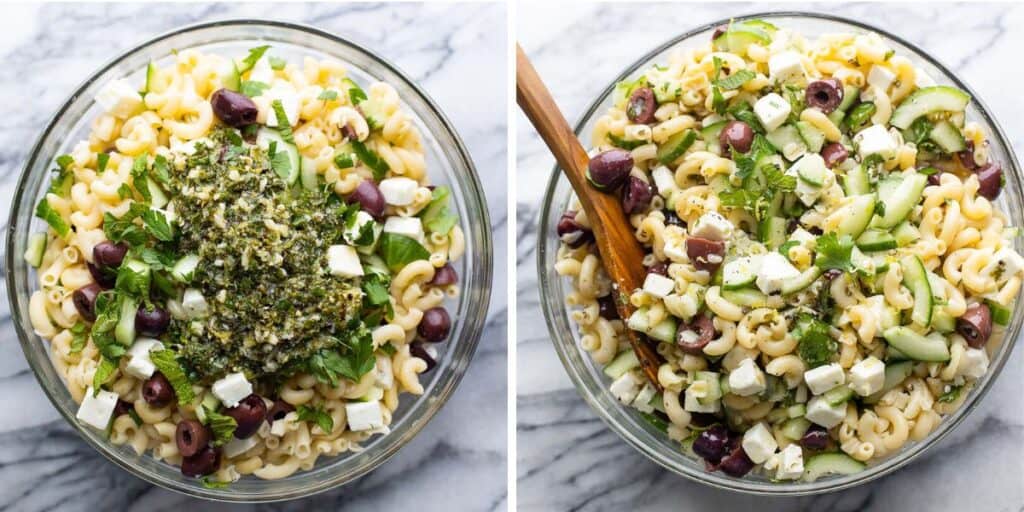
(620,251)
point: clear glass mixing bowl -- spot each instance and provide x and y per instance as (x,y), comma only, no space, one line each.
(591,382)
(448,162)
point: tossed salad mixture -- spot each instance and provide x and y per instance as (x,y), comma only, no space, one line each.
(244,265)
(827,266)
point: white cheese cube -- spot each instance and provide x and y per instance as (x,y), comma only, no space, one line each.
(691,402)
(262,72)
(790,465)
(821,413)
(280,427)
(875,140)
(712,226)
(1005,263)
(747,379)
(784,66)
(974,363)
(194,303)
(411,227)
(289,103)
(362,219)
(343,261)
(804,238)
(119,99)
(868,376)
(881,77)
(236,447)
(774,272)
(922,79)
(398,191)
(664,181)
(772,110)
(675,244)
(658,286)
(824,378)
(625,388)
(97,410)
(140,365)
(759,443)
(364,415)
(642,402)
(231,389)
(811,164)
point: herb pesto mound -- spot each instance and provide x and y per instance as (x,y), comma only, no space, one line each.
(262,246)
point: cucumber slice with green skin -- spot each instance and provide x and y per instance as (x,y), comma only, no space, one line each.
(895,373)
(942,321)
(624,362)
(857,181)
(36,248)
(772,231)
(893,354)
(947,137)
(850,95)
(158,198)
(675,146)
(185,268)
(802,281)
(928,100)
(1000,313)
(795,428)
(874,240)
(738,37)
(836,463)
(856,215)
(768,28)
(746,297)
(838,395)
(124,331)
(628,145)
(308,175)
(664,331)
(901,200)
(150,77)
(916,346)
(796,410)
(905,234)
(709,134)
(784,136)
(265,136)
(916,279)
(814,137)
(638,320)
(812,175)
(739,273)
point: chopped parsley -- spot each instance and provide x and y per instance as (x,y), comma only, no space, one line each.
(318,415)
(284,126)
(79,337)
(250,60)
(815,346)
(101,162)
(372,160)
(833,252)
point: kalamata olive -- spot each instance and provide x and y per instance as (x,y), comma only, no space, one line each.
(157,391)
(966,157)
(122,407)
(694,336)
(975,325)
(990,180)
(202,463)
(825,94)
(737,463)
(834,154)
(815,438)
(710,444)
(705,254)
(935,179)
(105,278)
(702,419)
(249,414)
(660,268)
(279,410)
(606,307)
(435,325)
(419,350)
(444,276)
(107,254)
(641,106)
(607,170)
(736,134)
(192,437)
(234,109)
(369,198)
(84,299)
(152,322)
(572,232)
(636,195)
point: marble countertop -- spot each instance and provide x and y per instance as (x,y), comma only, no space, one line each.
(567,458)
(47,50)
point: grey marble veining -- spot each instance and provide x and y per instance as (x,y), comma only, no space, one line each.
(567,459)
(460,457)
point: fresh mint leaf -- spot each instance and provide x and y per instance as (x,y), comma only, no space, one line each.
(79,337)
(375,288)
(284,126)
(156,224)
(64,162)
(281,164)
(140,176)
(742,111)
(344,160)
(250,60)
(167,362)
(52,217)
(133,282)
(106,368)
(400,250)
(124,191)
(161,170)
(784,248)
(222,426)
(356,94)
(778,180)
(253,88)
(834,252)
(736,80)
(101,162)
(371,159)
(318,415)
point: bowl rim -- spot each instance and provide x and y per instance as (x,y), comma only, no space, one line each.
(739,485)
(472,326)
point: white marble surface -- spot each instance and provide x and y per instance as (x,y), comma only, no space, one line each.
(461,455)
(567,459)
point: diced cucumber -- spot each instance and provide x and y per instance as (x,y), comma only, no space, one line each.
(36,248)
(814,137)
(265,136)
(739,273)
(802,281)
(374,111)
(835,463)
(916,279)
(310,178)
(746,297)
(185,268)
(895,373)
(709,134)
(928,100)
(1000,313)
(857,181)
(905,234)
(862,263)
(787,136)
(942,321)
(658,402)
(207,401)
(772,231)
(874,240)
(124,331)
(812,175)
(850,95)
(917,347)
(947,137)
(738,37)
(157,195)
(150,78)
(795,428)
(638,320)
(856,215)
(796,410)
(838,395)
(900,200)
(231,79)
(664,330)
(675,146)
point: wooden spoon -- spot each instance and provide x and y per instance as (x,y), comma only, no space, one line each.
(620,251)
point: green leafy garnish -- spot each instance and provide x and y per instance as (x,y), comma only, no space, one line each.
(250,60)
(79,337)
(277,63)
(951,396)
(928,171)
(371,159)
(437,217)
(816,347)
(344,160)
(400,250)
(222,426)
(132,282)
(124,228)
(106,368)
(101,162)
(736,80)
(63,178)
(318,415)
(860,115)
(742,111)
(108,310)
(375,288)
(284,126)
(833,252)
(356,95)
(52,217)
(140,176)
(167,362)
(328,95)
(64,162)
(209,483)
(918,131)
(355,361)
(253,88)
(281,163)
(156,224)
(124,191)
(784,248)
(160,171)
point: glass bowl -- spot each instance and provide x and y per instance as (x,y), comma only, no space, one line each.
(448,162)
(626,422)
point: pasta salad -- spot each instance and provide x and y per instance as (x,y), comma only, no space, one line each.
(245,265)
(826,265)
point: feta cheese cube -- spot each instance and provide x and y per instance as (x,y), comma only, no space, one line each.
(812,165)
(119,99)
(868,376)
(411,227)
(385,377)
(658,285)
(642,402)
(804,238)
(922,79)
(194,303)
(262,72)
(691,401)
(821,413)
(675,244)
(790,465)
(625,388)
(712,226)
(784,66)
(231,389)
(1005,263)
(364,415)
(759,443)
(774,272)
(140,365)
(289,102)
(343,261)
(974,363)
(236,446)
(824,378)
(398,191)
(664,181)
(875,140)
(772,110)
(747,379)
(280,427)
(96,411)
(881,77)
